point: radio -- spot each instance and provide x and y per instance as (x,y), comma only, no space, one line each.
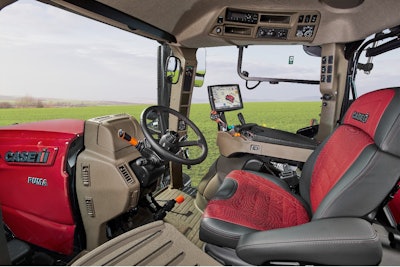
(241,16)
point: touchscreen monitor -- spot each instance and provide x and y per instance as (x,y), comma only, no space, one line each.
(225,97)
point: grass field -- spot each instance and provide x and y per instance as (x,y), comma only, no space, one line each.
(288,116)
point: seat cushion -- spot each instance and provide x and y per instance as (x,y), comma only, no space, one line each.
(248,202)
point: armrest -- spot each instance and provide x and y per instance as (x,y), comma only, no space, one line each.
(331,241)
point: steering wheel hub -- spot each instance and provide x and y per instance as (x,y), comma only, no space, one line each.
(169,144)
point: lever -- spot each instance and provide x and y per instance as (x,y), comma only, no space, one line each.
(168,206)
(215,116)
(241,118)
(122,134)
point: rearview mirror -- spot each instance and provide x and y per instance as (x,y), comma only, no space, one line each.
(173,69)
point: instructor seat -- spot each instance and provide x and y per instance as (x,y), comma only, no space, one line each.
(348,176)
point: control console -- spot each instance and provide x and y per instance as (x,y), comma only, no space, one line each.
(245,24)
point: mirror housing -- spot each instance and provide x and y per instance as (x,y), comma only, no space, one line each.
(172,69)
(201,67)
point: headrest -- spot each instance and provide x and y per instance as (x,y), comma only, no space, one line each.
(377,114)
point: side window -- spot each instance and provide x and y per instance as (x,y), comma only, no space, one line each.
(384,73)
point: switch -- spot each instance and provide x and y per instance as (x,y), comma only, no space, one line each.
(314,18)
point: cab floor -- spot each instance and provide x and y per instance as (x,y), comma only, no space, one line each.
(185,216)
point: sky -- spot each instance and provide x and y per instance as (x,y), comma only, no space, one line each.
(48,52)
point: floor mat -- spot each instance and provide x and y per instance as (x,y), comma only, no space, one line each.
(185,216)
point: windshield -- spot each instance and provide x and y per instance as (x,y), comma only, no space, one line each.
(73,58)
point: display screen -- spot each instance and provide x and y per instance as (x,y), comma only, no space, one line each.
(225,97)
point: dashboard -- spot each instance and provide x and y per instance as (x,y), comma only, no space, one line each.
(280,26)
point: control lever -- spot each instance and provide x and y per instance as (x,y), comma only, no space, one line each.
(215,116)
(150,157)
(168,206)
(241,118)
(122,134)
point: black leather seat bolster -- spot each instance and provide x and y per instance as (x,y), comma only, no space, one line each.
(222,233)
(331,241)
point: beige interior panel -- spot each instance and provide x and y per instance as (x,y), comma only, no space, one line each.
(106,186)
(229,145)
(154,244)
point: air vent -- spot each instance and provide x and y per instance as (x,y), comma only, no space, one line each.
(237,30)
(127,176)
(90,207)
(85,174)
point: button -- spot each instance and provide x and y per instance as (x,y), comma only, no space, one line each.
(307,19)
(324,60)
(301,18)
(329,78)
(220,20)
(323,78)
(329,68)
(330,60)
(314,18)
(323,69)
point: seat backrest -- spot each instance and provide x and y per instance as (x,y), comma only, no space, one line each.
(355,168)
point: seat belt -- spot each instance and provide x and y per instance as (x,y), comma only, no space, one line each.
(4,254)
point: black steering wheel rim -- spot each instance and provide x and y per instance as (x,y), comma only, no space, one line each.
(201,141)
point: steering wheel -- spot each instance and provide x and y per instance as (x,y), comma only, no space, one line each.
(170,145)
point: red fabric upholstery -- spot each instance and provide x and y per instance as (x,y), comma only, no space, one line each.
(338,154)
(367,113)
(258,204)
(347,143)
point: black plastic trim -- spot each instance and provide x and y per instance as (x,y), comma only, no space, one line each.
(132,22)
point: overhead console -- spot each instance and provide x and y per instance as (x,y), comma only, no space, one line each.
(271,25)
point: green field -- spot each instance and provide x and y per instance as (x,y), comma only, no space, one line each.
(288,116)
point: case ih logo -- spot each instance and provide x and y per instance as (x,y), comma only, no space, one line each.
(360,116)
(40,157)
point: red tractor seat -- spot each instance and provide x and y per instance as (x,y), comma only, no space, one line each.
(346,178)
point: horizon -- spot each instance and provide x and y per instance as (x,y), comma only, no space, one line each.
(73,52)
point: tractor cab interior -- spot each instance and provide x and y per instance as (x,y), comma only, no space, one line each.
(112,189)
